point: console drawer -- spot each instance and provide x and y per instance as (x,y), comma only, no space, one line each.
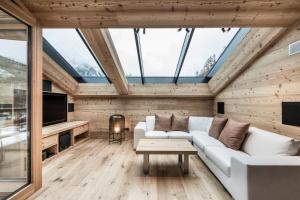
(80,129)
(49,141)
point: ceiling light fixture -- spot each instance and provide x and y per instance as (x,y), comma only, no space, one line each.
(226,30)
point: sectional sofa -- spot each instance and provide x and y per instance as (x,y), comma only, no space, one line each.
(266,167)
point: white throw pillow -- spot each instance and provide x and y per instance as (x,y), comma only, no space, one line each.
(199,123)
(150,123)
(264,143)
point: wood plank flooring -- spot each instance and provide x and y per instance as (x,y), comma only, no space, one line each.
(96,170)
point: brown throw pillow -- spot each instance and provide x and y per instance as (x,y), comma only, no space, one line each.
(234,134)
(180,123)
(162,122)
(217,126)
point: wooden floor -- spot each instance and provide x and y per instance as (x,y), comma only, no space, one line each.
(96,170)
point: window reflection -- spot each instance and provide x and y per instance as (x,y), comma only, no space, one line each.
(14,129)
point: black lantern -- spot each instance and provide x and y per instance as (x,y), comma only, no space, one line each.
(116,128)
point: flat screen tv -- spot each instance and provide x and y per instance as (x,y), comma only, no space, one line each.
(54,108)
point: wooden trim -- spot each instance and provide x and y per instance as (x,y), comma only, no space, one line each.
(103,47)
(200,90)
(18,12)
(60,77)
(37,74)
(257,41)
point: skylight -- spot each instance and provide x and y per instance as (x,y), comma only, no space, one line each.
(205,48)
(68,43)
(160,50)
(124,42)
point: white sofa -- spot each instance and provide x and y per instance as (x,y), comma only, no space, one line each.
(265,168)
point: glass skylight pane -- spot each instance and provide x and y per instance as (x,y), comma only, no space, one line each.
(126,49)
(69,44)
(205,48)
(160,50)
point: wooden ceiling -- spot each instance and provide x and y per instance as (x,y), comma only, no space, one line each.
(167,13)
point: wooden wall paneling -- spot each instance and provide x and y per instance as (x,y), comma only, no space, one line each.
(57,75)
(257,41)
(256,95)
(37,63)
(98,110)
(200,90)
(103,47)
(157,13)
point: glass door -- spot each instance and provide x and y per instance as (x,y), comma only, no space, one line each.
(15,111)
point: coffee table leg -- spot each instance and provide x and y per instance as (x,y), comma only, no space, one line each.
(146,163)
(186,164)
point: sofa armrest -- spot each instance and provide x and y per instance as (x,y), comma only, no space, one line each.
(138,133)
(266,177)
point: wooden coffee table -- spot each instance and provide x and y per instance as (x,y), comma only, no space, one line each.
(166,146)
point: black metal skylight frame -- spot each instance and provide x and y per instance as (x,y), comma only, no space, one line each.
(139,52)
(60,60)
(184,49)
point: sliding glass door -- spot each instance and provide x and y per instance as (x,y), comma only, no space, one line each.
(15,111)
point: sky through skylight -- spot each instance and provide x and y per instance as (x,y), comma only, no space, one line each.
(69,44)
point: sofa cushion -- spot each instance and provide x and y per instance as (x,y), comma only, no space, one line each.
(199,123)
(163,122)
(221,157)
(150,123)
(180,123)
(264,143)
(234,134)
(156,134)
(198,133)
(217,126)
(180,135)
(203,140)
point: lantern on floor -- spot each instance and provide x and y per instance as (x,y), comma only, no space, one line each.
(116,128)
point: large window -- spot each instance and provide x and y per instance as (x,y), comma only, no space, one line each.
(124,42)
(15,131)
(161,50)
(205,48)
(72,48)
(174,55)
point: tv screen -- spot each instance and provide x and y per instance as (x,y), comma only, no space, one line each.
(54,108)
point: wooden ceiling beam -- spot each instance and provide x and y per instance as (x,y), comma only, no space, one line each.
(172,13)
(256,42)
(200,90)
(103,48)
(18,12)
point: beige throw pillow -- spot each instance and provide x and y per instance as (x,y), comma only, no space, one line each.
(217,126)
(180,123)
(162,122)
(234,134)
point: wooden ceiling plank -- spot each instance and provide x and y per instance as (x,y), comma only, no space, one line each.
(133,5)
(103,47)
(172,13)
